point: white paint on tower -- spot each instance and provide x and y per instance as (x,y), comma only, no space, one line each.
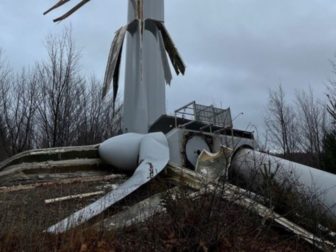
(144,96)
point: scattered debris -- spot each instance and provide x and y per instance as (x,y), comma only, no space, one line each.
(238,196)
(76,196)
(80,179)
(51,154)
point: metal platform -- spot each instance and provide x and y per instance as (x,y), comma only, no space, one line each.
(197,117)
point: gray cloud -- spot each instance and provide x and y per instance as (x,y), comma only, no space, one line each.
(235,50)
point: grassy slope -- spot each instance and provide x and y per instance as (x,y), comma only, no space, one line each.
(205,224)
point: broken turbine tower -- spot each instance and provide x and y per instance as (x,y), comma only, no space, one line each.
(147,67)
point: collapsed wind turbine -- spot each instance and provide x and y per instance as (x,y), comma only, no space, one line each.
(147,71)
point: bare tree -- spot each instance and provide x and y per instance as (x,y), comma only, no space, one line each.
(4,78)
(53,105)
(70,110)
(329,139)
(281,123)
(61,91)
(331,95)
(312,115)
(332,106)
(98,121)
(18,106)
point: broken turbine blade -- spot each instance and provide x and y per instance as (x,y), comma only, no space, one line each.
(152,27)
(165,64)
(114,59)
(165,44)
(59,4)
(172,51)
(71,11)
(113,63)
(154,156)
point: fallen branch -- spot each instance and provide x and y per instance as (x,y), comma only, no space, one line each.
(57,153)
(63,165)
(76,196)
(61,182)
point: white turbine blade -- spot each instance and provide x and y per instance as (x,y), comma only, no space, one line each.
(152,27)
(165,63)
(173,53)
(113,62)
(154,156)
(114,59)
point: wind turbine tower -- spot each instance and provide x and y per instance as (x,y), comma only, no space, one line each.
(144,96)
(147,68)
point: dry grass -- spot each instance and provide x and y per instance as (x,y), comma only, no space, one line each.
(293,201)
(205,224)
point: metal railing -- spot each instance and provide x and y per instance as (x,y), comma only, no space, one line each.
(209,115)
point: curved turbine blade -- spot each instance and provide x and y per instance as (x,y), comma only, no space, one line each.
(154,153)
(152,27)
(59,4)
(113,63)
(70,12)
(165,63)
(173,53)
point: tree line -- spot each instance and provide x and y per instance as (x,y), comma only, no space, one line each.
(303,130)
(52,103)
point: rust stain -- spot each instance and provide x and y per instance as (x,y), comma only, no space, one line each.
(139,10)
(151,170)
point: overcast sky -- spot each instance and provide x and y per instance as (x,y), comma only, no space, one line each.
(235,50)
